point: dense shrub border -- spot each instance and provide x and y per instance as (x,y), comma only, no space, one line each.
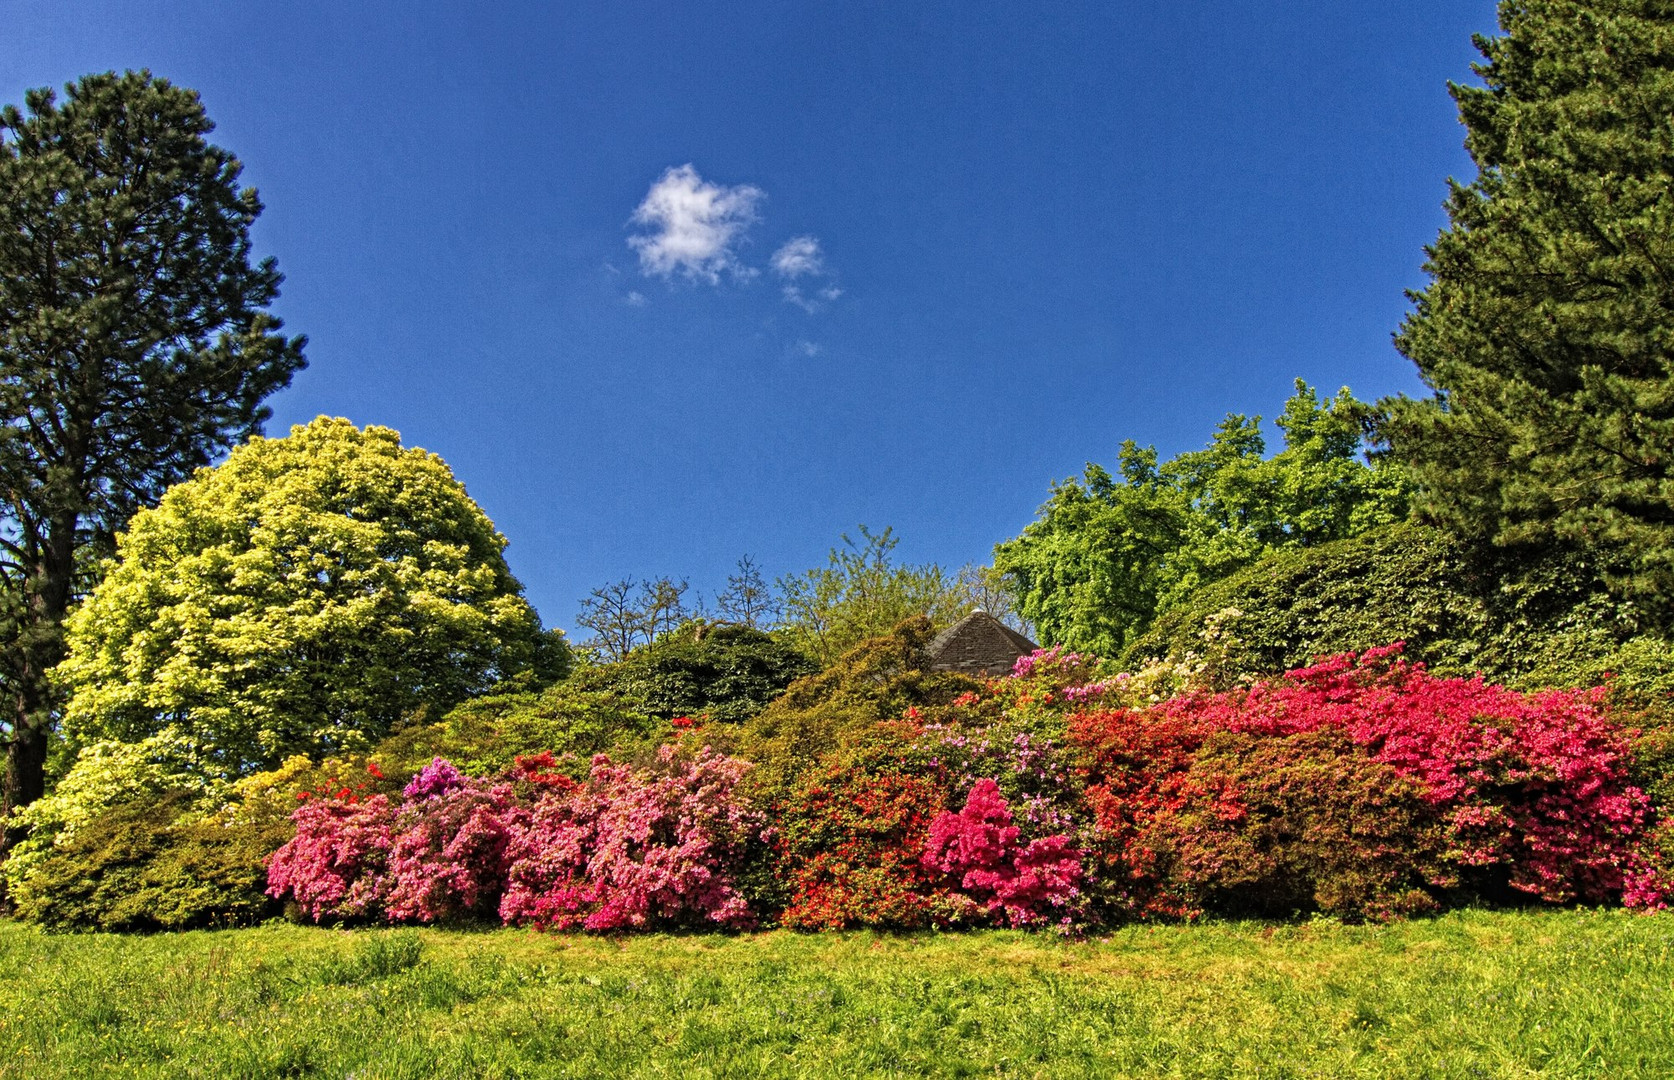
(1362,787)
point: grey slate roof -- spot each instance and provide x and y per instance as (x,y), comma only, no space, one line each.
(978,644)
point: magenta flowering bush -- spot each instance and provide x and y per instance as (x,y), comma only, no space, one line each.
(449,853)
(626,849)
(1004,877)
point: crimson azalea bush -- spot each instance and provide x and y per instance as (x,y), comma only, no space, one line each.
(853,835)
(982,851)
(1480,787)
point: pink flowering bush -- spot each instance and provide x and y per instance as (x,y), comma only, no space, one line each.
(333,868)
(981,850)
(449,854)
(627,850)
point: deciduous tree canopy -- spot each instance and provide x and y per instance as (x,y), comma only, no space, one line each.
(1108,553)
(301,597)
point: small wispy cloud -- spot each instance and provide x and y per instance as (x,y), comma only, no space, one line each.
(810,349)
(635,298)
(693,226)
(797,257)
(802,257)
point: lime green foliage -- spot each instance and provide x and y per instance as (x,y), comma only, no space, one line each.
(1547,327)
(139,837)
(147,865)
(301,597)
(861,592)
(105,775)
(1109,553)
(1558,994)
(724,672)
(486,735)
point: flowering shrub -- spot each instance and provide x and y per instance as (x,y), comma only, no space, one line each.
(980,848)
(1530,789)
(448,856)
(334,866)
(629,850)
(624,849)
(853,836)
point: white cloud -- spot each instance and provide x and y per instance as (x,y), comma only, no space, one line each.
(810,349)
(798,256)
(635,298)
(693,226)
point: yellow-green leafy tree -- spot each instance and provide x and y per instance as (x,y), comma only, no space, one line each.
(301,597)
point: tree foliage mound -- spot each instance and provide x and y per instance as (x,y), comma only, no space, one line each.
(301,597)
(1109,553)
(725,672)
(1528,616)
(877,680)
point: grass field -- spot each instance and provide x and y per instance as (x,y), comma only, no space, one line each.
(1476,994)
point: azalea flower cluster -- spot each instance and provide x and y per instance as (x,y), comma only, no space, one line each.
(1367,786)
(622,849)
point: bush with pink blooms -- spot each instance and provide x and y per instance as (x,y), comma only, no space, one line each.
(633,849)
(625,849)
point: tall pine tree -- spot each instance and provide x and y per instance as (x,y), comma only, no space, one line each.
(134,348)
(1547,331)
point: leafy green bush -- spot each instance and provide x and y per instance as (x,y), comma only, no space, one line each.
(877,680)
(136,837)
(151,864)
(726,672)
(1530,618)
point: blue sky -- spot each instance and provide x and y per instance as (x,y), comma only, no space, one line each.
(667,283)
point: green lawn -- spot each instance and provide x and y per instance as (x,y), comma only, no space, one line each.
(1474,994)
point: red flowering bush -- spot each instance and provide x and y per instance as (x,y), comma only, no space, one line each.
(1275,824)
(627,850)
(853,836)
(1526,789)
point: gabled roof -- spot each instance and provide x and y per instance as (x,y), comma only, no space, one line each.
(978,644)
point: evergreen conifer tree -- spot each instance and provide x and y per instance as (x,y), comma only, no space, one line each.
(134,348)
(1547,330)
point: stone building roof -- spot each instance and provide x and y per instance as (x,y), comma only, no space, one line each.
(978,644)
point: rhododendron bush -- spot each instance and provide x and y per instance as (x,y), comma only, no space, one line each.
(1380,787)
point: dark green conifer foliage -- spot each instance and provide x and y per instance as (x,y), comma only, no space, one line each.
(1547,331)
(133,348)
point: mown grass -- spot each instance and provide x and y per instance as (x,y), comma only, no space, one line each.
(1475,994)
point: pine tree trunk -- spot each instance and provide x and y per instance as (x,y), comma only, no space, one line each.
(41,644)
